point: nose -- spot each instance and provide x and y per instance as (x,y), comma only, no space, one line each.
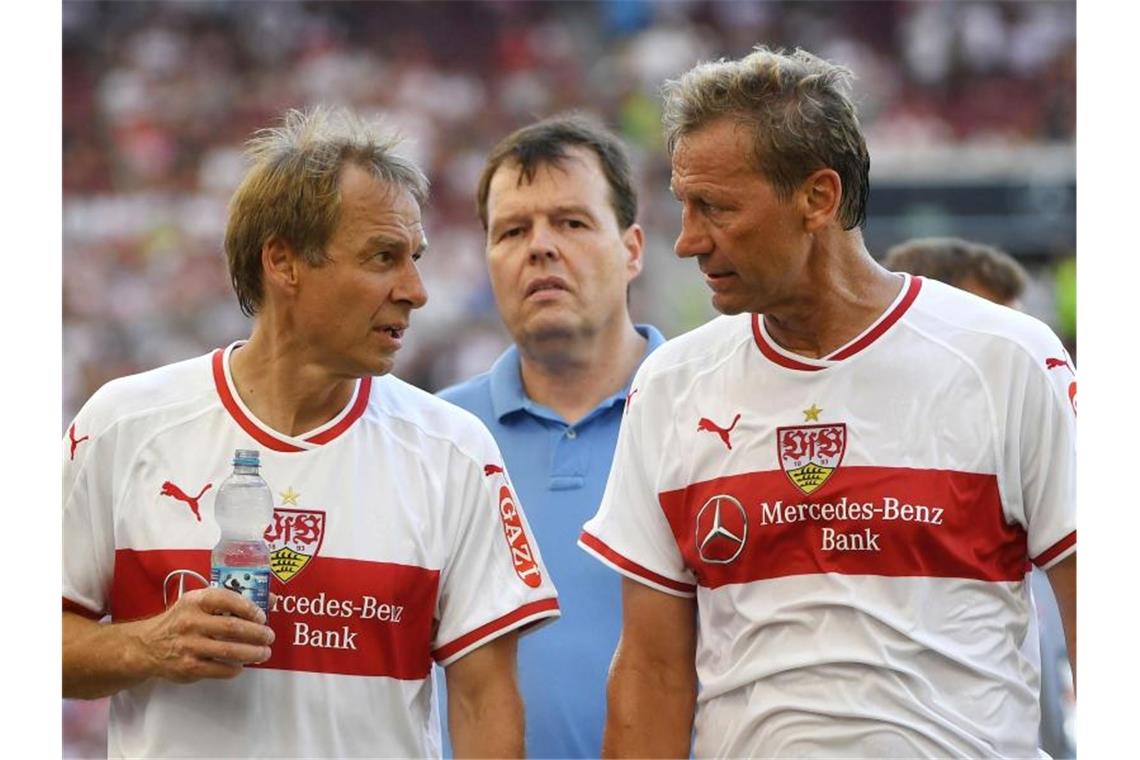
(694,239)
(542,245)
(410,288)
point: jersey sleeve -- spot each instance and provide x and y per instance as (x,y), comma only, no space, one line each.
(1042,449)
(88,536)
(630,532)
(494,580)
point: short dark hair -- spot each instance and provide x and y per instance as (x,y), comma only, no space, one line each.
(799,110)
(545,143)
(953,260)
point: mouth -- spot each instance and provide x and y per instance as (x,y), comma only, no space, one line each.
(395,331)
(543,284)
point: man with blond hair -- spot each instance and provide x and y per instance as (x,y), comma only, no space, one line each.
(824,502)
(396,541)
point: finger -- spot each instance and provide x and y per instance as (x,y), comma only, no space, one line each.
(231,652)
(208,668)
(220,601)
(232,628)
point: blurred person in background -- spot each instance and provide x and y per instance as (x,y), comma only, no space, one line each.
(810,466)
(401,564)
(993,274)
(559,207)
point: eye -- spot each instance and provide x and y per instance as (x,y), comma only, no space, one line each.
(511,232)
(575,224)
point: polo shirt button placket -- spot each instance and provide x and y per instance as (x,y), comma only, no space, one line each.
(571,433)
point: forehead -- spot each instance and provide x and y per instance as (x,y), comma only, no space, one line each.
(367,203)
(576,179)
(717,152)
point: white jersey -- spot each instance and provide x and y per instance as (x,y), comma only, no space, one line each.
(397,542)
(856,529)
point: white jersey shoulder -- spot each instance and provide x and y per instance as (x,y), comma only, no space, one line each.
(427,425)
(705,345)
(173,390)
(969,321)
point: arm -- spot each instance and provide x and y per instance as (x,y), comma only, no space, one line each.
(652,689)
(208,633)
(485,710)
(1063,579)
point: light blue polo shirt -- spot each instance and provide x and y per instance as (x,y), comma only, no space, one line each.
(559,472)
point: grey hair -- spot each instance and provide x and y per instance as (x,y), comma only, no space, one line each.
(799,109)
(292,188)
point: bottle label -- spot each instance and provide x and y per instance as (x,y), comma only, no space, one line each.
(250,582)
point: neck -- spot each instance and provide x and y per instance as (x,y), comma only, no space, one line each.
(576,375)
(843,291)
(282,387)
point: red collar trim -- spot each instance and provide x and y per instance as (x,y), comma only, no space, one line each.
(907,297)
(276,441)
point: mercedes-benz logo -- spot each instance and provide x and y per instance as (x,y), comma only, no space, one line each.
(722,529)
(179,588)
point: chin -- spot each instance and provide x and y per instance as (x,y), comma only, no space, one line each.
(729,306)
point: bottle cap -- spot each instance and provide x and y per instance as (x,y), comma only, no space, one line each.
(247,458)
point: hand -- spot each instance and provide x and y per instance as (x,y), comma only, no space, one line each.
(207,633)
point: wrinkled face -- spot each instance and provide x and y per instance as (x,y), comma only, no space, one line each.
(352,310)
(749,244)
(559,265)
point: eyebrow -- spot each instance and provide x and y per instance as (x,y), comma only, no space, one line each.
(394,241)
(559,210)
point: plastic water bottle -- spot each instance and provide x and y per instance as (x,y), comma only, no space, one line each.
(243,509)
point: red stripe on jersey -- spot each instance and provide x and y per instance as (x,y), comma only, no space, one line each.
(344,616)
(259,435)
(862,521)
(79,609)
(487,631)
(774,355)
(601,548)
(1047,556)
(873,334)
(363,390)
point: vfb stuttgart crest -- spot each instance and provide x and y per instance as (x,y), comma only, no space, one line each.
(809,454)
(294,538)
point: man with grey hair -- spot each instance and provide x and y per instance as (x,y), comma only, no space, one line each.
(824,502)
(387,548)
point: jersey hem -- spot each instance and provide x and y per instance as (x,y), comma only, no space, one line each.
(1057,552)
(607,556)
(79,609)
(526,616)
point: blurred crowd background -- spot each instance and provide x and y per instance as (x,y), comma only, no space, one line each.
(969,110)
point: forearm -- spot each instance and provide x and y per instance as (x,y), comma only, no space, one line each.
(650,709)
(487,724)
(100,659)
(1063,579)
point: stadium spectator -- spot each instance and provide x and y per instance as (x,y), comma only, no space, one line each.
(392,504)
(811,464)
(559,207)
(993,274)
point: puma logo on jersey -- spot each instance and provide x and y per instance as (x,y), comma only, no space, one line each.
(1053,363)
(708,426)
(174,492)
(75,441)
(491,469)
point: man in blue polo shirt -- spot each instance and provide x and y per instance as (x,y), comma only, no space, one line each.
(557,201)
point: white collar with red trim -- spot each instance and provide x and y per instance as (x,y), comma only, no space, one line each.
(267,436)
(785,358)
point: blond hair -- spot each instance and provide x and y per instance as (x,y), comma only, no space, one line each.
(800,113)
(292,189)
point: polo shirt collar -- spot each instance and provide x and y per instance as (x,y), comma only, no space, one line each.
(508,396)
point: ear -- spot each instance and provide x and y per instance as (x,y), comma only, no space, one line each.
(634,241)
(821,193)
(280,266)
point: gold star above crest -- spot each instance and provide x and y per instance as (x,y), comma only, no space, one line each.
(811,414)
(289,496)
